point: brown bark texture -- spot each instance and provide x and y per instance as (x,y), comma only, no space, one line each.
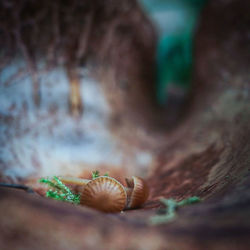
(207,154)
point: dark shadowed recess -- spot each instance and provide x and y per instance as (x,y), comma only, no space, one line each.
(207,154)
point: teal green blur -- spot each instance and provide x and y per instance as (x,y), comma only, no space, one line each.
(175,22)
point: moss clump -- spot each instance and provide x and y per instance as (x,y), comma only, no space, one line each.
(171,208)
(59,191)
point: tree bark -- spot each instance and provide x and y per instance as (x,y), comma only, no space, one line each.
(206,155)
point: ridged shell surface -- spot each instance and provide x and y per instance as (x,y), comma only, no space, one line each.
(139,194)
(105,194)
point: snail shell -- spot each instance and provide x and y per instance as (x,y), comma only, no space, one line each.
(137,191)
(105,194)
(73,180)
(76,184)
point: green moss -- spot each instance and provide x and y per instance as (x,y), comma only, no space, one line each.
(59,191)
(95,174)
(170,210)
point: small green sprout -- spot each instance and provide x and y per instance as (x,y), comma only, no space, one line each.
(171,208)
(59,191)
(95,174)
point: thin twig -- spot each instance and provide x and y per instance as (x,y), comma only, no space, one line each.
(17,186)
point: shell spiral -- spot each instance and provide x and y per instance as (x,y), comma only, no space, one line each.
(105,194)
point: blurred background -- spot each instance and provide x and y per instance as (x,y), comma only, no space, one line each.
(176,23)
(60,115)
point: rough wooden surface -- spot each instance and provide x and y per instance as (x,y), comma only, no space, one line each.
(206,155)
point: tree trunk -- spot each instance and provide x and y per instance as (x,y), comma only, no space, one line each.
(206,154)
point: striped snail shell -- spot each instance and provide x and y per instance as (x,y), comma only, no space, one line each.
(137,191)
(104,194)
